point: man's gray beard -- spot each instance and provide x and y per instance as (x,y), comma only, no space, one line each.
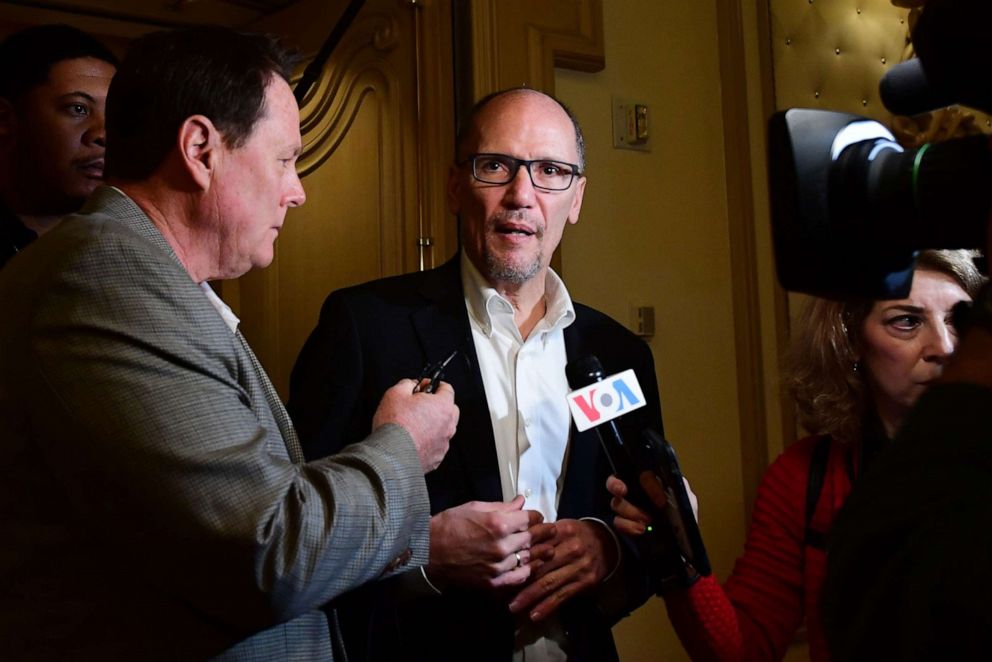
(499,271)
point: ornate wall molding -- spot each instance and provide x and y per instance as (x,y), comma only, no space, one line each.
(377,132)
(582,48)
(520,42)
(359,69)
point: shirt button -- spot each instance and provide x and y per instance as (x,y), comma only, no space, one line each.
(528,492)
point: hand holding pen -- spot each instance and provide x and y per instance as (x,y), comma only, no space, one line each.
(431,422)
(432,374)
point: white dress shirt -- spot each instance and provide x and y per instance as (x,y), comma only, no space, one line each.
(224,310)
(526,388)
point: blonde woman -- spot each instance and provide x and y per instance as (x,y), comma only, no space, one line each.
(855,369)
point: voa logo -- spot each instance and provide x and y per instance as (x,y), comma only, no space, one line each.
(605,400)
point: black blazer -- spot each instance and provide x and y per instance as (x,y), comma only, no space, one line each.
(372,335)
(14,236)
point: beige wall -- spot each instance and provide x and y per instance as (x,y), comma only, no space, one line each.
(654,231)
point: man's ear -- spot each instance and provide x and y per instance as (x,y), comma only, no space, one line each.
(199,148)
(580,189)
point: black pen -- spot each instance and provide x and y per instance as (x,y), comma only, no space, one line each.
(433,373)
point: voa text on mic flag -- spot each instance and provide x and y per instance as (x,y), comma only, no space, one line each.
(605,400)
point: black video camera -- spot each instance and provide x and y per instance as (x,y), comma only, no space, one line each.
(850,207)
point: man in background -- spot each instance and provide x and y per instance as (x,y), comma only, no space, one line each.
(155,502)
(518,561)
(53,88)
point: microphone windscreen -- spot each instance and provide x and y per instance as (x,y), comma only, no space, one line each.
(951,42)
(906,90)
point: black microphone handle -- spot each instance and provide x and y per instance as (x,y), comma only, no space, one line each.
(628,467)
(657,545)
(588,370)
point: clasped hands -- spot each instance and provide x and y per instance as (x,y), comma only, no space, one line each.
(503,548)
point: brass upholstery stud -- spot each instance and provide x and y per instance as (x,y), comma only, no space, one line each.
(836,51)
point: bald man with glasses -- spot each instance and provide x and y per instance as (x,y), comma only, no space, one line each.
(523,564)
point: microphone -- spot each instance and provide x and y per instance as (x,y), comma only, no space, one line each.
(905,89)
(950,40)
(672,542)
(616,396)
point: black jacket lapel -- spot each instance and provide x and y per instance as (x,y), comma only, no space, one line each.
(471,460)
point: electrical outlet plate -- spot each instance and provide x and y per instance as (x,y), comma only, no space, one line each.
(631,125)
(642,320)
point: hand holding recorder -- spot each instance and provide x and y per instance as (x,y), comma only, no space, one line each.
(649,470)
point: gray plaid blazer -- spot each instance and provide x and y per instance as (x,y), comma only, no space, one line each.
(150,504)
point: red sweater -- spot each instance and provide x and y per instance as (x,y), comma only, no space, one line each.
(777,581)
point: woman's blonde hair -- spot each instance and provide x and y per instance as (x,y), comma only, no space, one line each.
(820,367)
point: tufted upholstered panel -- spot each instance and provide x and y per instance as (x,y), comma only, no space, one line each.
(831,54)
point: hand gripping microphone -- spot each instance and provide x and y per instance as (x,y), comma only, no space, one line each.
(672,543)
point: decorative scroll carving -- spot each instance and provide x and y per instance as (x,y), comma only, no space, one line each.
(330,108)
(385,36)
(363,140)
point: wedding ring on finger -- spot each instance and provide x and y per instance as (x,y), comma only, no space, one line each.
(520,561)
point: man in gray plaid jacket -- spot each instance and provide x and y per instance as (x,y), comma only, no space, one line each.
(154,500)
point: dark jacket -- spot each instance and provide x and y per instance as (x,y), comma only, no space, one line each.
(14,236)
(372,335)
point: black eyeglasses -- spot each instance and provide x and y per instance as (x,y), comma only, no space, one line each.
(544,174)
